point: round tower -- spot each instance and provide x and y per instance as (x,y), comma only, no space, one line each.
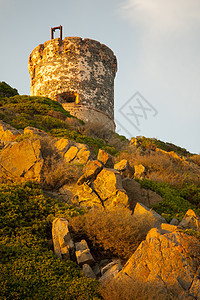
(79,74)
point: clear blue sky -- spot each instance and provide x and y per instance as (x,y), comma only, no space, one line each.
(157,44)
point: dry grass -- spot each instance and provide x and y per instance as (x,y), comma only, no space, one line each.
(115,230)
(96,131)
(132,290)
(164,167)
(56,172)
(195,159)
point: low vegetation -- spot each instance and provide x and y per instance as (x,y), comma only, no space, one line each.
(176,200)
(126,290)
(153,143)
(56,173)
(50,116)
(6,90)
(163,166)
(116,231)
(94,144)
(29,269)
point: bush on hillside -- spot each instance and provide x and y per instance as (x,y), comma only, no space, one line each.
(195,159)
(6,90)
(56,172)
(29,269)
(127,290)
(163,167)
(93,144)
(153,143)
(176,200)
(48,115)
(115,230)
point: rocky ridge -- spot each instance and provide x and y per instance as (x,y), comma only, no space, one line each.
(169,256)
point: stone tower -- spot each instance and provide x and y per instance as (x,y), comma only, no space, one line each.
(79,74)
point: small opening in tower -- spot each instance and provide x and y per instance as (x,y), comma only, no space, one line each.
(68,97)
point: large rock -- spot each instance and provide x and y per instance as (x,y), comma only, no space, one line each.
(108,186)
(35,131)
(120,199)
(138,194)
(62,145)
(139,171)
(91,170)
(71,154)
(153,217)
(83,155)
(63,244)
(100,188)
(190,220)
(7,132)
(86,197)
(83,254)
(107,182)
(106,159)
(78,153)
(87,270)
(170,260)
(22,160)
(124,168)
(110,273)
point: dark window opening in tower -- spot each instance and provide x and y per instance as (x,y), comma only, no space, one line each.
(67,97)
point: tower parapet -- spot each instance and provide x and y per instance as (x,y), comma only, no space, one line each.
(78,73)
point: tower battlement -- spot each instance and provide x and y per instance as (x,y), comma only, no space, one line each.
(78,73)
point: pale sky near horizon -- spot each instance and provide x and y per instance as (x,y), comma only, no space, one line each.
(156,42)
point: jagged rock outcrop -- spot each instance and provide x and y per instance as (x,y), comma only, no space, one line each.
(106,159)
(170,259)
(7,132)
(153,217)
(35,131)
(108,183)
(190,221)
(62,145)
(124,168)
(138,194)
(71,151)
(86,197)
(22,160)
(91,170)
(102,189)
(139,171)
(62,241)
(83,254)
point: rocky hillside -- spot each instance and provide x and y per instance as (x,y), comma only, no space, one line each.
(88,214)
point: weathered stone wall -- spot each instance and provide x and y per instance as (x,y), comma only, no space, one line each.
(88,114)
(84,68)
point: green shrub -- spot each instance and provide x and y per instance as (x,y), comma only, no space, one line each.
(40,112)
(40,275)
(34,105)
(6,90)
(175,200)
(94,144)
(29,269)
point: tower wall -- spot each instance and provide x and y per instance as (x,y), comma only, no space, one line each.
(77,73)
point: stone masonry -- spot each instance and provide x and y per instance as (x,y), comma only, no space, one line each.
(78,73)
